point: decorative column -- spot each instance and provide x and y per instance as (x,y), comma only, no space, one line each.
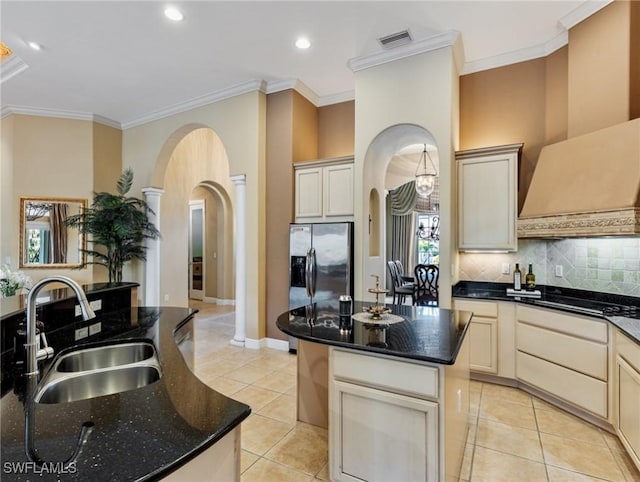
(152,266)
(240,182)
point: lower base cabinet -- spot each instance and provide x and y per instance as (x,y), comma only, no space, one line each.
(384,436)
(627,395)
(396,420)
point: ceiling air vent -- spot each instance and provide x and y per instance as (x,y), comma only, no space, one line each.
(395,39)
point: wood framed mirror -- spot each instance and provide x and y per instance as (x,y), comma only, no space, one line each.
(45,242)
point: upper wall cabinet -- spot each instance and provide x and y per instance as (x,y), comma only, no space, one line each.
(488,198)
(324,190)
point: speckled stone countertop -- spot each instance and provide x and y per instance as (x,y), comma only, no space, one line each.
(141,434)
(573,301)
(421,333)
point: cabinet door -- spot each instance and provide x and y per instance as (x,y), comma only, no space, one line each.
(378,435)
(483,345)
(628,400)
(309,192)
(487,200)
(338,190)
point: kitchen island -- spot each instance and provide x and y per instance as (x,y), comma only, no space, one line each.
(176,428)
(394,393)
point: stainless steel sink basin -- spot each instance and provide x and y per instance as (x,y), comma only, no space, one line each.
(104,357)
(97,383)
(99,370)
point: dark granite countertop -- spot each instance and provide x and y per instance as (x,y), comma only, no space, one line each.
(425,333)
(141,434)
(582,302)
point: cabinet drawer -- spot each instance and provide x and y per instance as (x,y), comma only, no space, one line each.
(581,390)
(479,308)
(577,354)
(576,325)
(385,373)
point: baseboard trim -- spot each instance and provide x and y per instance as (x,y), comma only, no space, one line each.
(281,345)
(547,397)
(218,301)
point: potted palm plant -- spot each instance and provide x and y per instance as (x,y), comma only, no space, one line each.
(118,225)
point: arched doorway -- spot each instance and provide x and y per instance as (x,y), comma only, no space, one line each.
(390,160)
(193,162)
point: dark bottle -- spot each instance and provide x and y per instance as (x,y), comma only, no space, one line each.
(530,279)
(517,278)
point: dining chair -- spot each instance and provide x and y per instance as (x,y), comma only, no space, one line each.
(400,290)
(400,269)
(426,291)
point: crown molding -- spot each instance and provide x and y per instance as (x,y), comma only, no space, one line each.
(517,56)
(295,84)
(336,98)
(233,91)
(58,114)
(584,10)
(438,41)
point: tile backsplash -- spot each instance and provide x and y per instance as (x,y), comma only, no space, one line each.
(610,265)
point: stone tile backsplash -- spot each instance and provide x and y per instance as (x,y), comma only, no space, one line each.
(610,265)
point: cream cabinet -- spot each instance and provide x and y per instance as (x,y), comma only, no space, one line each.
(488,198)
(627,395)
(564,355)
(391,419)
(324,190)
(483,334)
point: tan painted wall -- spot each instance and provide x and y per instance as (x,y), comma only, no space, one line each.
(504,106)
(336,130)
(239,122)
(279,202)
(555,108)
(9,204)
(419,90)
(107,157)
(634,81)
(305,129)
(599,72)
(55,158)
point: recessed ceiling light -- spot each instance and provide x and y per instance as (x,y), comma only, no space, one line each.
(303,43)
(173,14)
(34,45)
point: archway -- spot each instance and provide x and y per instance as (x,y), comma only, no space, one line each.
(377,159)
(193,157)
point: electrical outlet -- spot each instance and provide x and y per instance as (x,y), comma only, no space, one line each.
(559,271)
(81,333)
(166,297)
(506,269)
(95,328)
(96,305)
(78,311)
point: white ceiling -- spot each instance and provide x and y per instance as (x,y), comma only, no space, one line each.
(123,63)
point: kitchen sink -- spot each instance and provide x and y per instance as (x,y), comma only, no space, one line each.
(97,383)
(98,371)
(104,357)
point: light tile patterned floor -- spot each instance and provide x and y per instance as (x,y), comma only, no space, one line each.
(512,436)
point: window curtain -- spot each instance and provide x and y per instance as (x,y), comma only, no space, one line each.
(401,226)
(58,233)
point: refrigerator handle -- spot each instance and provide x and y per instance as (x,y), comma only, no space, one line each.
(311,273)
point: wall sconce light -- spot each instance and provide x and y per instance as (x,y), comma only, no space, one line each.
(425,180)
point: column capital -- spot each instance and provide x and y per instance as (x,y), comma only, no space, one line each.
(239,179)
(152,191)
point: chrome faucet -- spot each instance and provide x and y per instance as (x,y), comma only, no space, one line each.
(33,353)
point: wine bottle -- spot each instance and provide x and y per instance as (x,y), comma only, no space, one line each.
(530,279)
(517,278)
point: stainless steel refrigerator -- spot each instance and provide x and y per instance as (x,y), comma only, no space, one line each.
(320,264)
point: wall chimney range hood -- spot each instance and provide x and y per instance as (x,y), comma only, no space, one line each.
(588,185)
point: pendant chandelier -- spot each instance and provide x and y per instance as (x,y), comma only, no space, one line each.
(425,180)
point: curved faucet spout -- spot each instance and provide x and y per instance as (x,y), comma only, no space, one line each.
(31,345)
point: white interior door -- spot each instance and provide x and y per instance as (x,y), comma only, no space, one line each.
(196,249)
